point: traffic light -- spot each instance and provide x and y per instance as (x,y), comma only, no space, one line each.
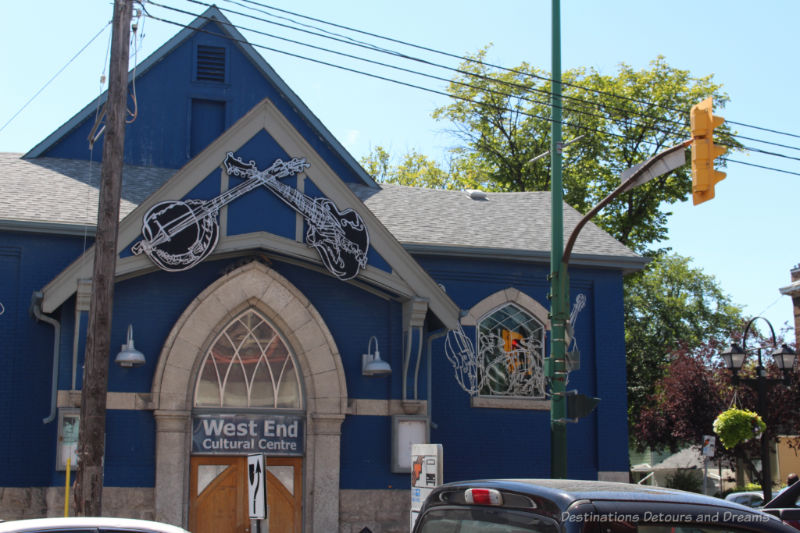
(704,151)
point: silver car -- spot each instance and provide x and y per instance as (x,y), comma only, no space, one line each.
(747,498)
(87,525)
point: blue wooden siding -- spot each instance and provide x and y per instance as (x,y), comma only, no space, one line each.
(161,134)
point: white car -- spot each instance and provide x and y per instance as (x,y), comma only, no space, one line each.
(81,524)
(748,498)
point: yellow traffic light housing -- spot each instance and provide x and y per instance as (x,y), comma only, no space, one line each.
(704,151)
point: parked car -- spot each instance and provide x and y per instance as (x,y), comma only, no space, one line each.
(786,505)
(749,498)
(570,506)
(87,525)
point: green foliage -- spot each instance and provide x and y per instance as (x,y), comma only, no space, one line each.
(738,425)
(416,170)
(500,120)
(685,479)
(670,305)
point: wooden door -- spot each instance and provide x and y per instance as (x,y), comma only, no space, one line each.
(285,494)
(218,494)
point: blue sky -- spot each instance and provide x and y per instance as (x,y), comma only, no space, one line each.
(745,237)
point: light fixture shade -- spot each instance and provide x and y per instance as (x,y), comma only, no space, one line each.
(371,362)
(784,357)
(129,356)
(376,367)
(733,356)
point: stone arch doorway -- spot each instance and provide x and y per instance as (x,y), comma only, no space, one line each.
(251,286)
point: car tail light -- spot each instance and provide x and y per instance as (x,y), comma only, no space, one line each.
(483,497)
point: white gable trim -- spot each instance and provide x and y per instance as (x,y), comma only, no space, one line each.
(407,275)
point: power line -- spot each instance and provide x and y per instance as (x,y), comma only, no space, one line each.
(729,160)
(377,76)
(350,41)
(461,58)
(465,73)
(407,84)
(32,98)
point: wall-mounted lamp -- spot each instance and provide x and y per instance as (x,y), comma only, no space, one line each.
(371,362)
(129,356)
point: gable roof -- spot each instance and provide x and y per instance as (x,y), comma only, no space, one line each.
(65,192)
(500,225)
(407,278)
(212,14)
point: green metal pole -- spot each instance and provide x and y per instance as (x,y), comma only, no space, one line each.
(559,283)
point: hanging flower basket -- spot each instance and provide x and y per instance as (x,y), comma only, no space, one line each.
(738,425)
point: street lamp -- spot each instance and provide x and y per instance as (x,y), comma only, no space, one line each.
(733,357)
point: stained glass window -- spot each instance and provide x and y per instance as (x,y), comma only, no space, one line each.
(511,354)
(249,365)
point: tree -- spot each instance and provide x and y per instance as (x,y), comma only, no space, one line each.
(670,306)
(696,388)
(501,120)
(414,169)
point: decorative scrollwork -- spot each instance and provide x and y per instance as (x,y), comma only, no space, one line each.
(461,353)
(511,372)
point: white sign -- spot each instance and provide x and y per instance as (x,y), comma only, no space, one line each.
(709,445)
(426,474)
(256,486)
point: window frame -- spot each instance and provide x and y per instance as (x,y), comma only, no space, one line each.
(299,407)
(485,307)
(541,339)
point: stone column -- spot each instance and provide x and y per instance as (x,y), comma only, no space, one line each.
(326,432)
(172,466)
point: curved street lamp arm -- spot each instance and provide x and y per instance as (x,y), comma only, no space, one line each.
(625,186)
(747,330)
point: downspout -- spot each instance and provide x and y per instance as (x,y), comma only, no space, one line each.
(36,309)
(432,337)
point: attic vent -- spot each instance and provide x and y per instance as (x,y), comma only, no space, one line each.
(210,63)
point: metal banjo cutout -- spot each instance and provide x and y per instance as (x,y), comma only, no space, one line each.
(179,234)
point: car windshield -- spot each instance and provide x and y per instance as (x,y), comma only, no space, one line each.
(483,520)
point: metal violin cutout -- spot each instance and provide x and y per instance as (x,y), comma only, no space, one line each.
(178,234)
(339,236)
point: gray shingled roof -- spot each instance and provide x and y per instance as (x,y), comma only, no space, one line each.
(503,222)
(65,191)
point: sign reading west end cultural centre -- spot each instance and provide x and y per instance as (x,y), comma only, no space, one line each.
(239,434)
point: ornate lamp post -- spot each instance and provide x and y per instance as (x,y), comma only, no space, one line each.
(784,357)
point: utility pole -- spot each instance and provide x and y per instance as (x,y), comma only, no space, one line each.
(91,439)
(559,282)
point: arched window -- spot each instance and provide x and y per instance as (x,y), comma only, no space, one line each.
(249,365)
(511,353)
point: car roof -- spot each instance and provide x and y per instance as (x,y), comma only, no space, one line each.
(564,492)
(554,497)
(57,524)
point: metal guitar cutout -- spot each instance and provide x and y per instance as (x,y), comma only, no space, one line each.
(339,236)
(178,234)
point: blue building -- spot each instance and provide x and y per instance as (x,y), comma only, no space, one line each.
(270,285)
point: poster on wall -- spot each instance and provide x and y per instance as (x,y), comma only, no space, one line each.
(426,474)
